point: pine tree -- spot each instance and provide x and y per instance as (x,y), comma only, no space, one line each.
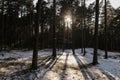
(95,58)
(35,50)
(106,55)
(3,26)
(54,29)
(84,39)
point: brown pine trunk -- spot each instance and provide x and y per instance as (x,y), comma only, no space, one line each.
(54,25)
(73,40)
(106,54)
(36,41)
(81,33)
(2,43)
(95,58)
(82,27)
(84,31)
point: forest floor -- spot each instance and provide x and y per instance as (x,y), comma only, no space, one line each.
(73,67)
(15,65)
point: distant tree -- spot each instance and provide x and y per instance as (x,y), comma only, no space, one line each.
(44,14)
(104,25)
(90,24)
(114,30)
(16,18)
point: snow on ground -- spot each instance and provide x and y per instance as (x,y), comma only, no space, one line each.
(5,55)
(110,66)
(72,67)
(15,65)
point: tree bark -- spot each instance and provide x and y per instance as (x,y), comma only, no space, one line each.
(95,58)
(54,35)
(84,37)
(81,21)
(2,43)
(106,54)
(35,49)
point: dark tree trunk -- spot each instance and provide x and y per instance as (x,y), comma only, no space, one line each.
(63,43)
(95,58)
(42,36)
(35,49)
(106,54)
(54,25)
(73,40)
(42,25)
(73,43)
(84,37)
(82,27)
(2,43)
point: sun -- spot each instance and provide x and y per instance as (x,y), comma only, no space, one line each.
(68,21)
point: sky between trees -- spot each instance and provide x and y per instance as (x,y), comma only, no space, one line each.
(115,3)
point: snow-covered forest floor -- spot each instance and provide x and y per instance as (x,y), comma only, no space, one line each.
(15,65)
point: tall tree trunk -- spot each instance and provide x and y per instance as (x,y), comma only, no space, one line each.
(84,30)
(106,54)
(42,36)
(73,40)
(42,25)
(2,44)
(81,21)
(54,25)
(63,43)
(81,36)
(95,58)
(35,49)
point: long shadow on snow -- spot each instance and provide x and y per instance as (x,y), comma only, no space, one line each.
(109,76)
(50,65)
(84,69)
(29,71)
(63,74)
(52,62)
